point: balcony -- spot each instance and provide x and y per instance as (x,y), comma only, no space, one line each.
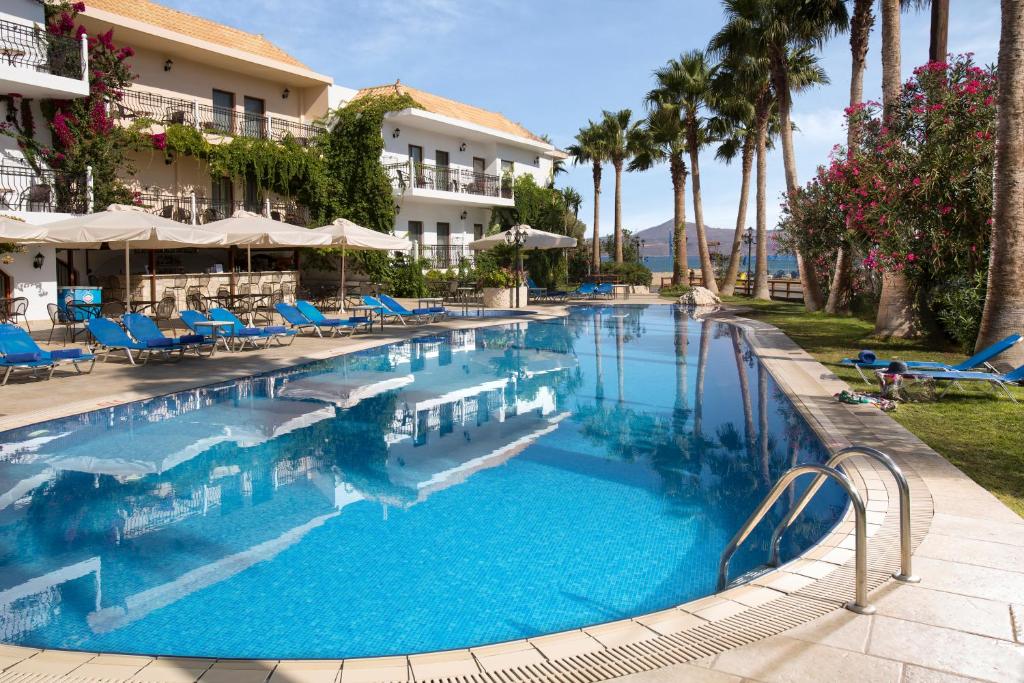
(22,188)
(200,210)
(446,184)
(34,63)
(445,256)
(134,105)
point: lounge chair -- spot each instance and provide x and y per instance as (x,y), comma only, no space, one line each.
(867,361)
(542,293)
(994,379)
(401,314)
(313,314)
(431,313)
(112,338)
(606,290)
(251,335)
(587,290)
(19,351)
(190,317)
(145,330)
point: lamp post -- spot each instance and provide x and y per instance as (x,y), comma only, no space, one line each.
(516,237)
(748,239)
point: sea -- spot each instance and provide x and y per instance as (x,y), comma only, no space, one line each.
(785,263)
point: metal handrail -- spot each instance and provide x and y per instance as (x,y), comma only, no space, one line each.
(906,573)
(860,603)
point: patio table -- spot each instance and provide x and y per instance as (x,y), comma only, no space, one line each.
(365,308)
(216,328)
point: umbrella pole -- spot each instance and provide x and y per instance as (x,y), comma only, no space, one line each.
(127,278)
(342,302)
(248,258)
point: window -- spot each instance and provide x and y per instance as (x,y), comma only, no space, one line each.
(416,153)
(252,195)
(479,166)
(221,199)
(254,122)
(223,111)
(441,158)
(478,230)
(446,179)
(444,231)
(507,166)
(416,231)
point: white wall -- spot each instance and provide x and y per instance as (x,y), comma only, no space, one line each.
(431,214)
(431,142)
(22,11)
(38,286)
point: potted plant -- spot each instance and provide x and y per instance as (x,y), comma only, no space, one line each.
(498,287)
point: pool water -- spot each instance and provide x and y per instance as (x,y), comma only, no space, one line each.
(456,490)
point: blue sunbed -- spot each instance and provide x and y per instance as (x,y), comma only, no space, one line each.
(401,314)
(995,379)
(318,319)
(587,290)
(112,338)
(867,361)
(430,313)
(251,335)
(19,351)
(146,331)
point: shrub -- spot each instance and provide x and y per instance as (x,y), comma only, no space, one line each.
(673,291)
(630,273)
(498,277)
(958,305)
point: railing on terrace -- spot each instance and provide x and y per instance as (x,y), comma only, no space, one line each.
(406,175)
(445,256)
(33,48)
(22,188)
(133,105)
(200,210)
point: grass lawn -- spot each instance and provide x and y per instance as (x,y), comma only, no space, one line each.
(981,434)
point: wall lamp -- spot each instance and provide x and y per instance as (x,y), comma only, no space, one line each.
(37,262)
(462,147)
(285,93)
(536,161)
(396,132)
(464,214)
(168,64)
(398,209)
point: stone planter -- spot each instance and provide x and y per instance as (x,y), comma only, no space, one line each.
(504,297)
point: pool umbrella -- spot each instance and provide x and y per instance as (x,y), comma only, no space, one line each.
(131,225)
(18,232)
(352,237)
(253,230)
(535,239)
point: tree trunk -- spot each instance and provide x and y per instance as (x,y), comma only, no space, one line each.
(939,31)
(840,294)
(761,290)
(780,79)
(895,307)
(680,269)
(702,365)
(729,285)
(596,247)
(618,212)
(1004,304)
(707,271)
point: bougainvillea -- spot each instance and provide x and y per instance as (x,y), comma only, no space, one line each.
(915,195)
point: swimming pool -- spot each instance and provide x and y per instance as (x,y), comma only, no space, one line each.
(460,489)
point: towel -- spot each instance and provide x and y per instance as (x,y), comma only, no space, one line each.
(358,319)
(867,357)
(191,339)
(159,343)
(29,357)
(248,332)
(421,311)
(275,329)
(61,354)
(436,309)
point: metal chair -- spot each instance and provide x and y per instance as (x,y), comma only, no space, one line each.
(113,308)
(59,319)
(18,308)
(194,301)
(165,310)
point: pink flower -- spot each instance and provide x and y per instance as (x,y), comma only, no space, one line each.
(159,140)
(917,182)
(911,257)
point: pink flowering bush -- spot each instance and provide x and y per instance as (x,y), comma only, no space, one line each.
(915,194)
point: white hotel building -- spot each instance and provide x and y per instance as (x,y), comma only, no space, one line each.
(450,165)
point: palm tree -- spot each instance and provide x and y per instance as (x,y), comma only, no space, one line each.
(591,146)
(662,137)
(616,127)
(839,294)
(1004,304)
(739,139)
(557,164)
(573,200)
(895,306)
(772,28)
(686,82)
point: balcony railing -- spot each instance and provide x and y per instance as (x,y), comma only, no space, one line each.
(445,256)
(22,188)
(406,175)
(33,48)
(140,104)
(185,209)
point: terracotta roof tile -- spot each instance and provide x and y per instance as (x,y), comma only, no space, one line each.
(456,110)
(193,26)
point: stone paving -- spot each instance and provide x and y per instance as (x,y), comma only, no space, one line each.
(964,621)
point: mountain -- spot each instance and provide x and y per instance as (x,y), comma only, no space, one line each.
(657,239)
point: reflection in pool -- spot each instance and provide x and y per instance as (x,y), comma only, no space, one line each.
(455,490)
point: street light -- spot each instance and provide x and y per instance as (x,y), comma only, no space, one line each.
(516,237)
(748,239)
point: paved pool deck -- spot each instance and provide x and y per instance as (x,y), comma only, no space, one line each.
(964,621)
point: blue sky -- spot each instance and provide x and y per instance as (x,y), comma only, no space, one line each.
(553,64)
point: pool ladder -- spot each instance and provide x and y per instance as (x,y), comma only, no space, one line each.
(831,470)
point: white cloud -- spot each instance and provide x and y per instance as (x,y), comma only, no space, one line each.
(819,126)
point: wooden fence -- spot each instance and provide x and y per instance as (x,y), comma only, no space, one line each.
(785,289)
